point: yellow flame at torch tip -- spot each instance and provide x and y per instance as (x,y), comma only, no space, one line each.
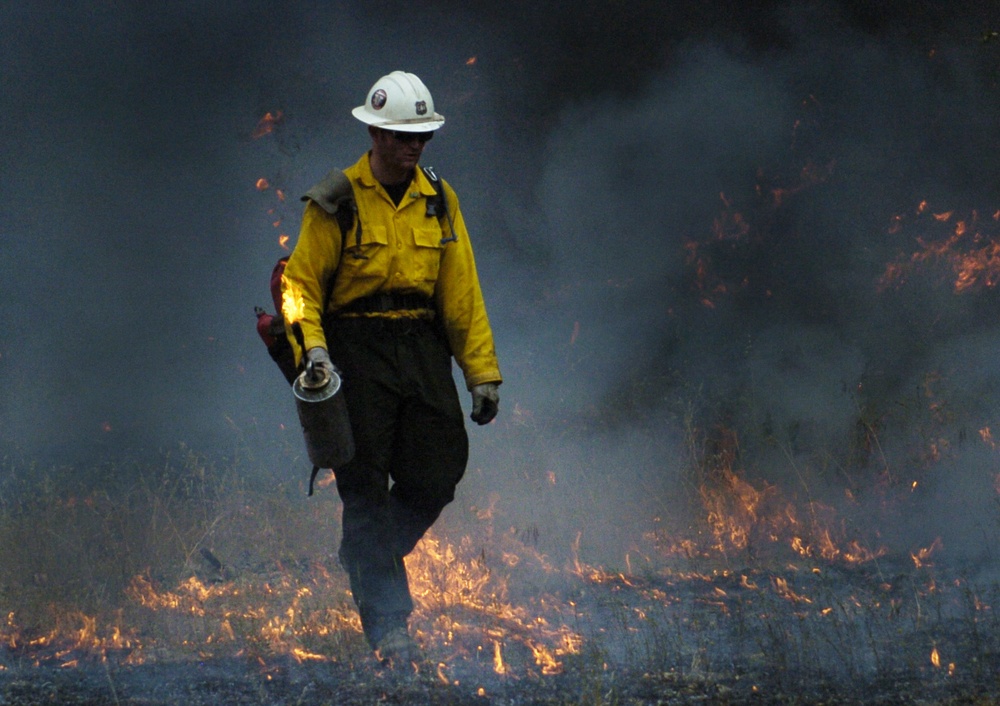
(293,305)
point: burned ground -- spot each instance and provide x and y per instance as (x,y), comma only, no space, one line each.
(739,642)
(745,605)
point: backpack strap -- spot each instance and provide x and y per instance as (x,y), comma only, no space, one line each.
(335,195)
(438,206)
(330,193)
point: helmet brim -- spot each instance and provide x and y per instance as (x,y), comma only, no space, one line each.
(425,124)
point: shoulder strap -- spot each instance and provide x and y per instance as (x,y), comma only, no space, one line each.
(331,192)
(335,196)
(438,206)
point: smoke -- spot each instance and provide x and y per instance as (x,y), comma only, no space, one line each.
(790,344)
(594,148)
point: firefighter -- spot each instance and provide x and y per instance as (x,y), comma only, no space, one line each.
(388,305)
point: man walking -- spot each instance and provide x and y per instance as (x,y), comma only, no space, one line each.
(389,302)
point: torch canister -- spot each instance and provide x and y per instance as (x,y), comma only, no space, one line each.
(323,414)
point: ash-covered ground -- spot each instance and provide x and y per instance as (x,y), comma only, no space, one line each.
(729,639)
(197,585)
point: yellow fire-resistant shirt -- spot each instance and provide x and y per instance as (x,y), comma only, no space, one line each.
(404,253)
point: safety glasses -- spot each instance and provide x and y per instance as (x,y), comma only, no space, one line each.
(411,136)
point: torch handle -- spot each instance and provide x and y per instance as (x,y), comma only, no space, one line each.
(299,338)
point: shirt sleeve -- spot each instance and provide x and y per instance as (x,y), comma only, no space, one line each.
(461,305)
(308,272)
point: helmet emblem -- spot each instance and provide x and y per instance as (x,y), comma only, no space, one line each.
(421,107)
(378,99)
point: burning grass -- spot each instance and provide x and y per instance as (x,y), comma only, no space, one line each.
(187,581)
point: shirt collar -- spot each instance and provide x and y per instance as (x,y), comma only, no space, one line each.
(367,178)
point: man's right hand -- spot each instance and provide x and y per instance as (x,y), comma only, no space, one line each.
(319,358)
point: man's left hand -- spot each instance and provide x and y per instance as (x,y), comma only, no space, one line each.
(485,403)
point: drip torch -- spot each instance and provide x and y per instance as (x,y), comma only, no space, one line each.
(323,414)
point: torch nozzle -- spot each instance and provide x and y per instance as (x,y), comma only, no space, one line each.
(316,375)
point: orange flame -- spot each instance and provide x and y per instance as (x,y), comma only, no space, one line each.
(293,305)
(972,255)
(498,665)
(545,659)
(921,557)
(743,516)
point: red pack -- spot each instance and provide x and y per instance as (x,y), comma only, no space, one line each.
(271,327)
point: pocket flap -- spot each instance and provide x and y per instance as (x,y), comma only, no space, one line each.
(427,237)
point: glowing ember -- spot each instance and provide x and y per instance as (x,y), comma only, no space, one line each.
(739,231)
(267,124)
(921,558)
(968,249)
(262,184)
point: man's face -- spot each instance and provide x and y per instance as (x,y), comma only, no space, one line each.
(400,150)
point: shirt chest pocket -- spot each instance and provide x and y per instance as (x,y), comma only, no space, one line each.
(370,258)
(427,253)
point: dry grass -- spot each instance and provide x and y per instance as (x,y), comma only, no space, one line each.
(130,572)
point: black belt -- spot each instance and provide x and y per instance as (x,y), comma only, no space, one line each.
(384,302)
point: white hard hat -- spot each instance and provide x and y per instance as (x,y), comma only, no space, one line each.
(399,101)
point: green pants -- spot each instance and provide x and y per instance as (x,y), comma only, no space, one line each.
(411,452)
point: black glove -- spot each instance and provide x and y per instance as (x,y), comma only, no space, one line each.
(485,403)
